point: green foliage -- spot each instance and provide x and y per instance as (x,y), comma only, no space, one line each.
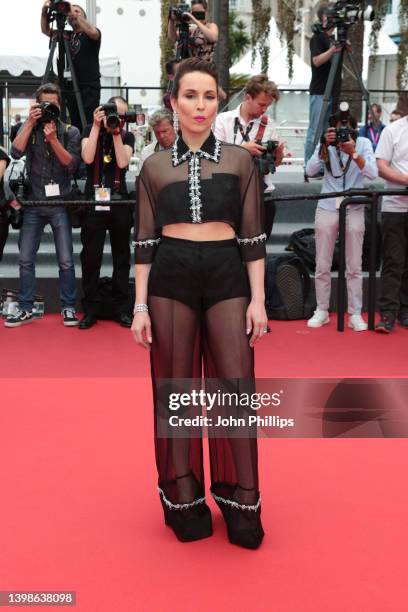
(261,15)
(166,46)
(239,41)
(238,81)
(402,74)
(380,8)
(286,21)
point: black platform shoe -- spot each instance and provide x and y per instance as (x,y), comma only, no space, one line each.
(243,521)
(190,521)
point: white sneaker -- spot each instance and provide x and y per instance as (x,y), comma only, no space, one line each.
(357,323)
(320,317)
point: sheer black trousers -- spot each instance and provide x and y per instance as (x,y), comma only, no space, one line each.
(184,342)
(200,332)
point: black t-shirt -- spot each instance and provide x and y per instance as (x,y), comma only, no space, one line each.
(3,157)
(107,169)
(85,57)
(14,130)
(319,43)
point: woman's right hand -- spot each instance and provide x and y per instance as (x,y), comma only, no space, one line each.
(99,116)
(142,329)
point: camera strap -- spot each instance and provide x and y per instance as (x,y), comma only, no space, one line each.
(99,163)
(344,167)
(245,135)
(262,128)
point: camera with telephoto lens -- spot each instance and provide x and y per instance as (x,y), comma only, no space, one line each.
(267,162)
(58,8)
(114,120)
(178,12)
(49,112)
(344,13)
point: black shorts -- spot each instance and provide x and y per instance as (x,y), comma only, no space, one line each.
(199,274)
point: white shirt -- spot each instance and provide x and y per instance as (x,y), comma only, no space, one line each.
(149,149)
(393,148)
(225,130)
(354,178)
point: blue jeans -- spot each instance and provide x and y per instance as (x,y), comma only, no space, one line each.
(34,221)
(315,106)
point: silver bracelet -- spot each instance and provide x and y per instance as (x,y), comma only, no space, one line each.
(140,308)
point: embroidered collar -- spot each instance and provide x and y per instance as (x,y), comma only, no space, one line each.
(211,149)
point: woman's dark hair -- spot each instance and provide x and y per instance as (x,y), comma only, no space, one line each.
(193,64)
(202,2)
(336,117)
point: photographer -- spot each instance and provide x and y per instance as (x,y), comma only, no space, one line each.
(392,161)
(4,223)
(52,151)
(347,159)
(372,130)
(107,152)
(322,49)
(248,126)
(203,36)
(15,128)
(161,123)
(84,44)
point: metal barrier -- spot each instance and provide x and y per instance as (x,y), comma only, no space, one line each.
(351,197)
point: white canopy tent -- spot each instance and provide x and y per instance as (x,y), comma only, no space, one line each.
(278,67)
(15,65)
(278,53)
(386,47)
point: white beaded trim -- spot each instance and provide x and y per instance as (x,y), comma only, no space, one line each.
(217,150)
(146,243)
(235,504)
(195,188)
(172,506)
(194,174)
(252,241)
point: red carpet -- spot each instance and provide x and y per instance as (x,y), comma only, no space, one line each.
(46,349)
(80,512)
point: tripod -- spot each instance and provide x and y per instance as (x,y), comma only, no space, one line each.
(336,64)
(63,52)
(183,46)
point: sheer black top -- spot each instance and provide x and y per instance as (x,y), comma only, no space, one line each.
(217,183)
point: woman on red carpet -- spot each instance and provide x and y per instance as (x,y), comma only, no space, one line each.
(198,308)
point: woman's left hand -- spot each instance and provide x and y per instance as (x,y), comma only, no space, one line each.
(191,18)
(256,321)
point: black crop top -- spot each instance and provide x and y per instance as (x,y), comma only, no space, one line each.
(217,183)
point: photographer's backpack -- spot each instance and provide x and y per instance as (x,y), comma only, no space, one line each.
(287,289)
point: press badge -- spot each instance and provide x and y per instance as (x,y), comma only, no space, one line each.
(102,194)
(52,190)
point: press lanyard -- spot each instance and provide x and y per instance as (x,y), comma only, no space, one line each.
(245,135)
(374,137)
